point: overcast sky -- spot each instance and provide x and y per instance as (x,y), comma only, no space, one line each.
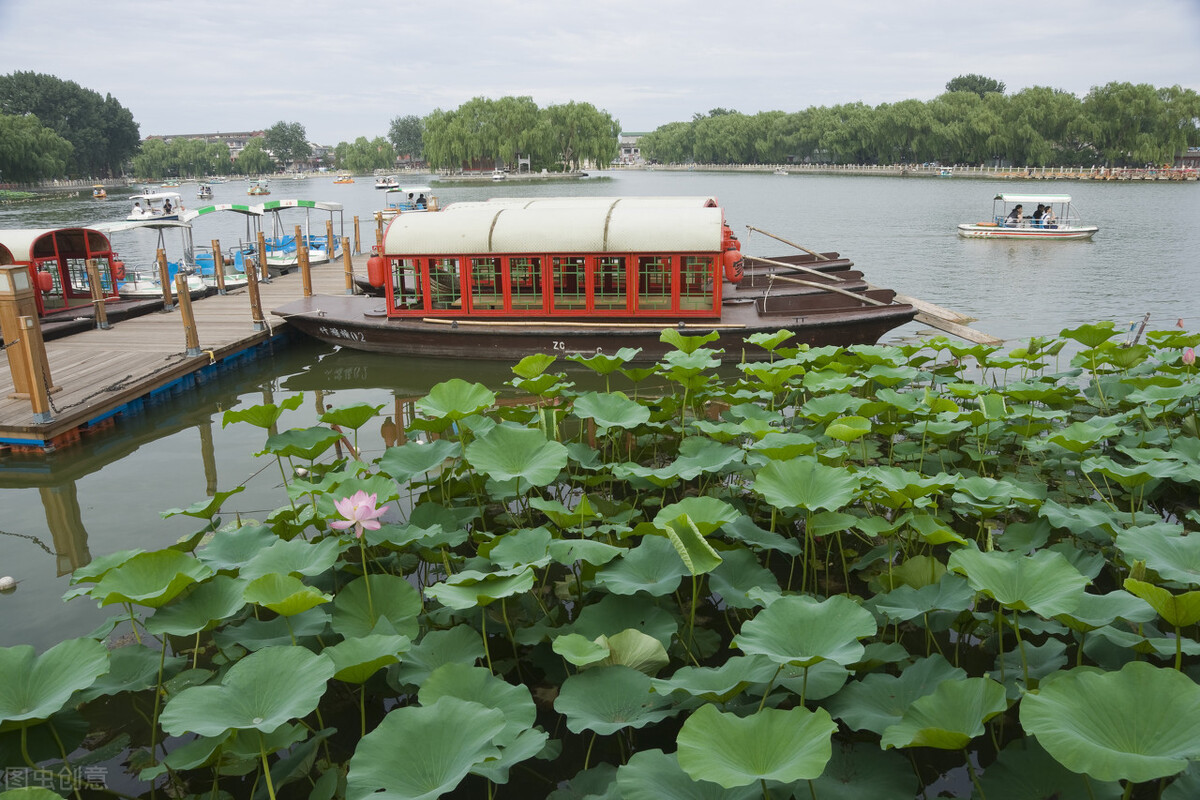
(346,68)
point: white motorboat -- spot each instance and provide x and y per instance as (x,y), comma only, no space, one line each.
(155,206)
(1015,216)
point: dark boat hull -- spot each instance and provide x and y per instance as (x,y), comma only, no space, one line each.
(360,322)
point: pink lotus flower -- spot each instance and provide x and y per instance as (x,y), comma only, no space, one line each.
(1189,356)
(360,513)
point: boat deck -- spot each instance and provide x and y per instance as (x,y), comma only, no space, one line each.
(103,373)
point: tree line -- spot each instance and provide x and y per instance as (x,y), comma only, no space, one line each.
(973,122)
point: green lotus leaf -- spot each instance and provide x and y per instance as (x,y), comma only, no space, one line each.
(471,589)
(262,691)
(529,743)
(603,363)
(1133,475)
(696,553)
(442,743)
(567,518)
(782,446)
(525,546)
(1165,549)
(570,551)
(36,686)
(98,567)
(206,508)
(411,459)
(948,718)
(230,548)
(1081,436)
(1096,611)
(353,416)
(770,341)
(393,607)
(1024,770)
(655,775)
(770,745)
(738,573)
(1137,724)
(523,454)
(637,650)
(150,579)
(306,443)
(615,613)
(254,634)
(799,630)
(917,572)
(719,684)
(531,366)
(653,567)
(744,530)
(460,644)
(848,429)
(608,699)
(903,603)
(131,668)
(286,595)
(1044,583)
(479,685)
(805,483)
(579,650)
(1179,610)
(262,416)
(356,660)
(861,771)
(879,700)
(217,598)
(686,344)
(1092,334)
(611,410)
(456,399)
(294,557)
(706,513)
(30,793)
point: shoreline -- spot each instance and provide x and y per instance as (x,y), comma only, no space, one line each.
(932,171)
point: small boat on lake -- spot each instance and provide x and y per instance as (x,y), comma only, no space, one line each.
(507,278)
(155,206)
(99,192)
(144,280)
(344,177)
(498,175)
(407,199)
(946,172)
(781,171)
(204,192)
(1014,216)
(387,182)
(258,188)
(283,253)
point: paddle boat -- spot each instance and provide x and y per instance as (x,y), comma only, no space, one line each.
(237,257)
(387,182)
(407,199)
(344,177)
(99,192)
(282,249)
(781,171)
(1013,218)
(204,192)
(155,206)
(503,280)
(258,188)
(143,280)
(498,175)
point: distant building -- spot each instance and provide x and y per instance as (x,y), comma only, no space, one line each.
(1189,160)
(628,149)
(236,142)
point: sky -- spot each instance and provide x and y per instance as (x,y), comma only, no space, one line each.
(346,68)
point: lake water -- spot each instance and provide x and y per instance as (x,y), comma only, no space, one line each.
(59,511)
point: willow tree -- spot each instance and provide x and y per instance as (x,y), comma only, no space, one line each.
(1130,124)
(254,159)
(669,144)
(581,133)
(364,155)
(29,151)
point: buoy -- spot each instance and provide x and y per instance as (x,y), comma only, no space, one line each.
(733,265)
(45,281)
(377,270)
(8,583)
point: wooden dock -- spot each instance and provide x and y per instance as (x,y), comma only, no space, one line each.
(102,372)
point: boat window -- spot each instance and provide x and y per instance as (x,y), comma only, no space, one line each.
(525,283)
(487,284)
(406,285)
(445,283)
(52,299)
(570,282)
(611,291)
(654,283)
(695,283)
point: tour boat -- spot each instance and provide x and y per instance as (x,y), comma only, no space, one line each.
(389,182)
(406,199)
(57,259)
(282,249)
(502,280)
(498,175)
(204,192)
(99,192)
(155,206)
(258,188)
(1060,223)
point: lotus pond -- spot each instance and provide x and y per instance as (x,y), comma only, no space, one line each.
(877,572)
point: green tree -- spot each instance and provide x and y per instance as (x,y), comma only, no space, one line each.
(254,159)
(287,142)
(102,133)
(29,151)
(580,133)
(363,155)
(975,83)
(405,134)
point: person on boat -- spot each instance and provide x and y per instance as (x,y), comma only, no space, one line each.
(421,203)
(1015,217)
(1048,219)
(137,209)
(1037,215)
(167,207)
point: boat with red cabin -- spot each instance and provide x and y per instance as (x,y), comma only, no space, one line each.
(505,278)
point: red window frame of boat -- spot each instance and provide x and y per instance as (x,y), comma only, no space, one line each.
(104,256)
(547,309)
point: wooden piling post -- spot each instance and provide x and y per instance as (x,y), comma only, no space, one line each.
(330,247)
(218,265)
(302,262)
(349,265)
(256,315)
(101,313)
(164,280)
(265,274)
(378,227)
(37,370)
(357,239)
(190,336)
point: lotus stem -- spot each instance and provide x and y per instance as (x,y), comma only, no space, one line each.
(162,660)
(1020,647)
(262,751)
(133,622)
(766,794)
(587,758)
(362,549)
(1178,650)
(974,776)
(483,628)
(770,685)
(362,710)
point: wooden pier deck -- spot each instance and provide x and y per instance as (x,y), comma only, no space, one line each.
(99,372)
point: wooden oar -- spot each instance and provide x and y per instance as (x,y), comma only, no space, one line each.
(859,297)
(796,267)
(813,253)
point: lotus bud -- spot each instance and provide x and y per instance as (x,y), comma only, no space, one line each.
(1189,356)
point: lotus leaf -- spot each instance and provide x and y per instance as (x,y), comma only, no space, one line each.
(442,743)
(949,717)
(36,686)
(294,557)
(392,606)
(879,700)
(1165,549)
(652,567)
(579,650)
(252,694)
(205,509)
(738,573)
(771,745)
(1044,582)
(696,553)
(609,699)
(1179,610)
(1137,724)
(460,644)
(353,416)
(230,548)
(655,775)
(357,659)
(254,634)
(264,415)
(478,685)
(131,668)
(569,551)
(306,443)
(471,589)
(207,603)
(719,684)
(799,630)
(150,579)
(525,546)
(405,462)
(456,399)
(522,454)
(286,595)
(864,772)
(611,410)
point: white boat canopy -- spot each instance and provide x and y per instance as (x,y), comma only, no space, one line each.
(478,228)
(1044,199)
(278,205)
(130,225)
(157,197)
(701,201)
